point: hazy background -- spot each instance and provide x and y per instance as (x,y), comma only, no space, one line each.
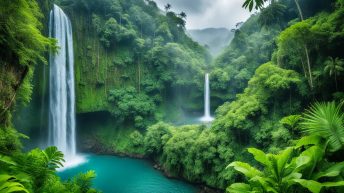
(209,13)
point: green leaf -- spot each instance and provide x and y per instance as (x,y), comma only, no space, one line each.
(283,158)
(333,171)
(308,140)
(265,183)
(315,153)
(302,161)
(326,121)
(333,184)
(246,169)
(251,6)
(7,160)
(53,158)
(239,188)
(313,186)
(9,184)
(259,155)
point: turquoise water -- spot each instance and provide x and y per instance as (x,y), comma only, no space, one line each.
(126,175)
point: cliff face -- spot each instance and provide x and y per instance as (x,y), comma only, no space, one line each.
(136,61)
(95,69)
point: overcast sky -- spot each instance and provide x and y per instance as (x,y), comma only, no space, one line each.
(208,13)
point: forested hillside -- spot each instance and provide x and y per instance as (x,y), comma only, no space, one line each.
(254,44)
(267,81)
(23,46)
(277,92)
(133,44)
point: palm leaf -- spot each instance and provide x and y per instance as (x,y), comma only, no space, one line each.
(9,184)
(325,120)
(53,158)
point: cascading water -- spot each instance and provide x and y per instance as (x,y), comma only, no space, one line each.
(207,117)
(61,87)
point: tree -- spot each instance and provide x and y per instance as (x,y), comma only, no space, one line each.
(257,4)
(20,32)
(297,38)
(271,14)
(129,105)
(168,7)
(156,137)
(334,67)
(299,9)
(291,121)
(268,79)
(182,15)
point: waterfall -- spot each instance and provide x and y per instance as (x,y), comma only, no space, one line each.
(61,86)
(207,117)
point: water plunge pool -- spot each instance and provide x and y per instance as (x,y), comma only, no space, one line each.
(127,175)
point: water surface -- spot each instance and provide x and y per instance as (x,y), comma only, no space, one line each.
(126,175)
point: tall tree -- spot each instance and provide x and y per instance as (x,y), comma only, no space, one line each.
(168,7)
(259,4)
(334,67)
(182,15)
(271,15)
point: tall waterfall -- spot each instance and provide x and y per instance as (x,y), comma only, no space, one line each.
(61,86)
(207,117)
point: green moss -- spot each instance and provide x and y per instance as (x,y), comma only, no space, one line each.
(97,69)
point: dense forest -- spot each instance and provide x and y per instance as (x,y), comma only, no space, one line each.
(277,94)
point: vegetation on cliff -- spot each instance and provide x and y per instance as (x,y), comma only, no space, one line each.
(135,64)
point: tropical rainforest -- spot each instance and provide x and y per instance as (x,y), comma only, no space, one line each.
(276,90)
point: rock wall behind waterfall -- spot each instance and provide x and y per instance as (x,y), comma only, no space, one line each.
(99,69)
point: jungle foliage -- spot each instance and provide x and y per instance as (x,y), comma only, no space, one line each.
(133,43)
(131,56)
(268,114)
(22,46)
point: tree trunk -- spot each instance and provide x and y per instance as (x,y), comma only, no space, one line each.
(98,64)
(299,9)
(290,101)
(335,80)
(139,77)
(106,72)
(305,47)
(309,67)
(304,68)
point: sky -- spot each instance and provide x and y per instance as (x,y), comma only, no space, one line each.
(209,13)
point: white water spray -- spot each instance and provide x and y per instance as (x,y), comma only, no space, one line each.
(61,88)
(207,117)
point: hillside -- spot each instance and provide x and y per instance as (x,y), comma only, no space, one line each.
(116,45)
(108,95)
